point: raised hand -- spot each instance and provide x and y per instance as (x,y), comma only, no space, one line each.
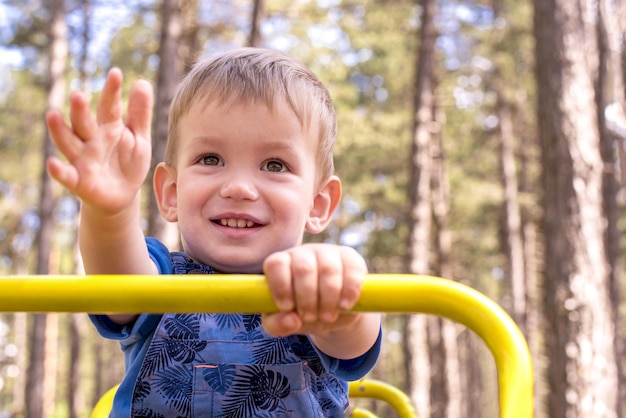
(108,158)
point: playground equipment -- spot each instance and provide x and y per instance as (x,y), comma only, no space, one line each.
(391,293)
(370,388)
(366,388)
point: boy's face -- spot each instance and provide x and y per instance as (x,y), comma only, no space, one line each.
(244,185)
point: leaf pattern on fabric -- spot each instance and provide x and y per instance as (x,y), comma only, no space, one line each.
(182,264)
(203,316)
(147,413)
(176,386)
(142,389)
(255,391)
(183,326)
(328,406)
(184,351)
(316,365)
(251,322)
(232,321)
(270,351)
(268,389)
(157,358)
(302,348)
(221,377)
(253,335)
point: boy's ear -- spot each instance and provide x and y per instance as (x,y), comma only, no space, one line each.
(324,205)
(164,184)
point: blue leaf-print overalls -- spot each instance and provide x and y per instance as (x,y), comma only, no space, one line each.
(226,365)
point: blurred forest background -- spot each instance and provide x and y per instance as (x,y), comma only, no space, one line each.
(479,140)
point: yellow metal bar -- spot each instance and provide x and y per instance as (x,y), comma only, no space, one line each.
(371,388)
(361,413)
(249,293)
(104,405)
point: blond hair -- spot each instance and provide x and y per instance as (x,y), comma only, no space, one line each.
(258,75)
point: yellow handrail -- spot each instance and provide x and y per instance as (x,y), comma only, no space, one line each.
(249,293)
(102,409)
(361,413)
(372,388)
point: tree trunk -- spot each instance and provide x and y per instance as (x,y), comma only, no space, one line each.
(35,379)
(75,322)
(189,47)
(35,370)
(21,341)
(418,365)
(438,393)
(84,56)
(440,193)
(99,388)
(512,217)
(74,392)
(582,372)
(171,67)
(471,374)
(534,311)
(528,213)
(258,11)
(421,147)
(419,240)
(608,88)
(51,364)
(177,52)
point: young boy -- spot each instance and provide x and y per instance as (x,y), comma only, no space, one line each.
(248,169)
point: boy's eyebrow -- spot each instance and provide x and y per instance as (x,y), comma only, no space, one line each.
(279,145)
(286,145)
(202,139)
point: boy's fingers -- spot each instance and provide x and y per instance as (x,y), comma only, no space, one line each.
(110,103)
(139,118)
(330,285)
(277,269)
(83,122)
(281,324)
(355,270)
(62,136)
(305,277)
(63,173)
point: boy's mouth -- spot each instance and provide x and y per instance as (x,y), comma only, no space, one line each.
(236,223)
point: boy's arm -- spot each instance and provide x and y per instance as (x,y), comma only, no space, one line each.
(313,286)
(107,162)
(352,341)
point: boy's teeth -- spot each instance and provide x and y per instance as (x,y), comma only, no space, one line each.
(236,223)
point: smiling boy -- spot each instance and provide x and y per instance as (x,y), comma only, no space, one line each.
(248,169)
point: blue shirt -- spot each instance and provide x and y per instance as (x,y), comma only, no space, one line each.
(223,365)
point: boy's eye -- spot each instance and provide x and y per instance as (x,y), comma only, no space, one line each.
(275,166)
(210,160)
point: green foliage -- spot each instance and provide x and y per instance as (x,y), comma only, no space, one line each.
(135,46)
(27,32)
(21,135)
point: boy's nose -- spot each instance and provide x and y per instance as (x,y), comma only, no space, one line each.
(239,187)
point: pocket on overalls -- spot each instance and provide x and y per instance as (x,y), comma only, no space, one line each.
(253,390)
